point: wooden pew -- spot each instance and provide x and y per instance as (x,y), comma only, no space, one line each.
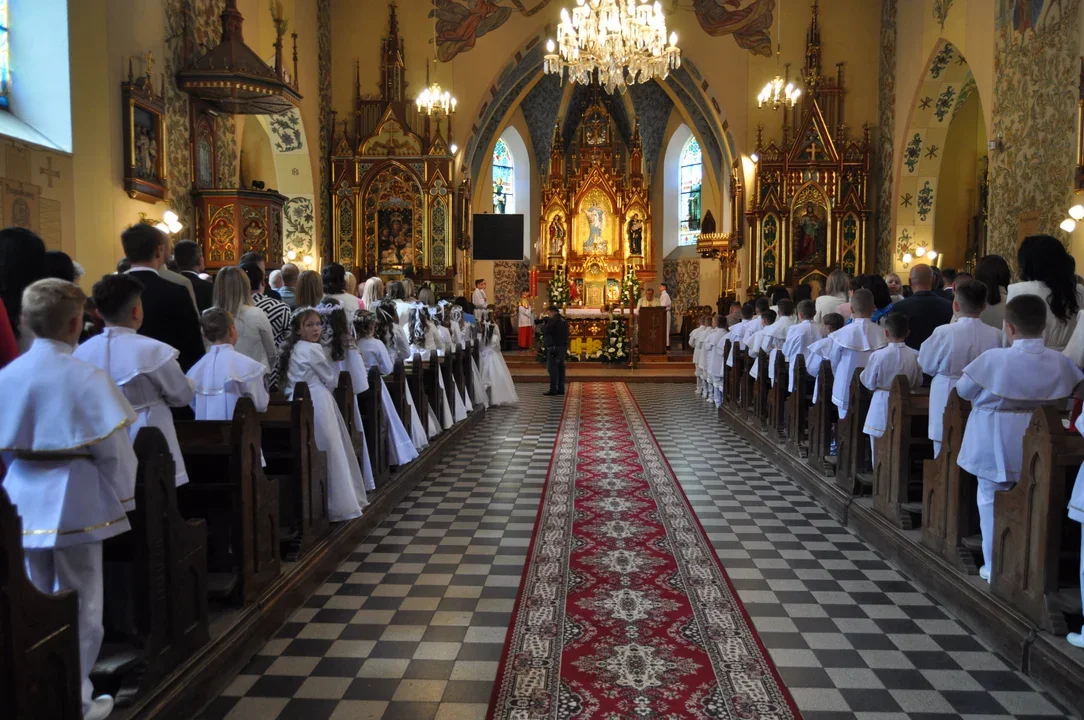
(155,579)
(39,636)
(447,372)
(344,400)
(797,410)
(822,419)
(1036,547)
(298,467)
(949,514)
(761,389)
(468,376)
(852,444)
(434,371)
(371,403)
(398,389)
(777,398)
(730,378)
(416,386)
(745,380)
(228,488)
(900,453)
(459,372)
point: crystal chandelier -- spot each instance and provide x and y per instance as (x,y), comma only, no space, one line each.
(623,40)
(779,91)
(433,99)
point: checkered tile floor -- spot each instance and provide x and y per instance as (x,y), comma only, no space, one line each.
(413,624)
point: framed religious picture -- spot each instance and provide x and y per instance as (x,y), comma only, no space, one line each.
(144,112)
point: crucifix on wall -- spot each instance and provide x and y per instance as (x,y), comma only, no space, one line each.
(49,171)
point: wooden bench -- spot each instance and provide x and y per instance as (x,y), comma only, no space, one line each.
(434,371)
(900,453)
(447,372)
(416,385)
(1036,547)
(468,375)
(459,373)
(228,488)
(398,389)
(761,390)
(730,378)
(298,467)
(853,451)
(155,581)
(39,636)
(777,398)
(797,410)
(745,381)
(949,514)
(822,420)
(371,403)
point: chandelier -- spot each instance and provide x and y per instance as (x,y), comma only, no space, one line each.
(433,99)
(623,41)
(779,92)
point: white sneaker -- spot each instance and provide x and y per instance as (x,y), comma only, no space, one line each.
(1076,639)
(984,573)
(100,708)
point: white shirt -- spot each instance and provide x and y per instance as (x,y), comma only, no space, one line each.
(851,347)
(945,354)
(1076,502)
(1004,386)
(799,337)
(825,305)
(221,378)
(1058,332)
(479,299)
(881,370)
(255,338)
(350,304)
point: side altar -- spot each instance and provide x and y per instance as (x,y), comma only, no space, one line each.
(596,211)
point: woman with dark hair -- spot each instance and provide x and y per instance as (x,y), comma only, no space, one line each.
(22,262)
(335,286)
(882,297)
(803,292)
(59,265)
(993,272)
(778,293)
(397,293)
(1046,270)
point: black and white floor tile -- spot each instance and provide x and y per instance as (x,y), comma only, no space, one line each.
(413,624)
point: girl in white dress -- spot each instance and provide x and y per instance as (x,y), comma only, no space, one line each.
(464,332)
(424,341)
(341,351)
(303,360)
(223,376)
(391,335)
(443,325)
(498,381)
(401,448)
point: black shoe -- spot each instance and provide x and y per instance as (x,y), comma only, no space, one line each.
(560,392)
(551,393)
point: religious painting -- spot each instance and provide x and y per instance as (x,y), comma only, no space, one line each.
(749,22)
(144,141)
(809,233)
(461,22)
(613,291)
(596,227)
(394,236)
(390,139)
(556,235)
(635,235)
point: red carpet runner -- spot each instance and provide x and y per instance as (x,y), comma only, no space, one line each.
(624,610)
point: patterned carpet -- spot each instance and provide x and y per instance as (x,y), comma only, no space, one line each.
(624,610)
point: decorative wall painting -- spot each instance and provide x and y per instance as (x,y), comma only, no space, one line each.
(144,139)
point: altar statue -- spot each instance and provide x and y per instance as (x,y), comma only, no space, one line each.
(636,235)
(810,227)
(557,236)
(596,219)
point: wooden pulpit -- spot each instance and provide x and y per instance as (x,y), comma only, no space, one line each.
(652,331)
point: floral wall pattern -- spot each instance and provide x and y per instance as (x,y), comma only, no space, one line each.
(682,278)
(299,225)
(511,278)
(323,29)
(886,131)
(1036,67)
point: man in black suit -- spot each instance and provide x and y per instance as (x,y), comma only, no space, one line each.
(926,309)
(261,260)
(189,258)
(555,338)
(167,307)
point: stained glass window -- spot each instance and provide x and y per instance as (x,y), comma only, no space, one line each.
(689,179)
(5,55)
(503,180)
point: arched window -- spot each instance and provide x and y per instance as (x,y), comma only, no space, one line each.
(5,55)
(504,183)
(690,175)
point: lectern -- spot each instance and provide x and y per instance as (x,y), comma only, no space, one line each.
(652,331)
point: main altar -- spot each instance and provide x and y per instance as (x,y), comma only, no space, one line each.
(596,212)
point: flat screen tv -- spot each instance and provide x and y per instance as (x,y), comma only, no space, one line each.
(498,237)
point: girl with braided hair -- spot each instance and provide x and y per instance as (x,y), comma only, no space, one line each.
(401,444)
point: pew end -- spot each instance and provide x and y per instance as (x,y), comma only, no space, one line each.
(797,408)
(901,454)
(822,421)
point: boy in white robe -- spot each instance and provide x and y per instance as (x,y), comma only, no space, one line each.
(223,376)
(821,350)
(1004,386)
(71,470)
(710,344)
(145,370)
(800,336)
(704,326)
(746,327)
(1076,513)
(851,347)
(952,347)
(755,340)
(714,361)
(774,337)
(884,365)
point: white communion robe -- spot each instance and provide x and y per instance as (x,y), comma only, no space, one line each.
(771,341)
(697,350)
(1004,386)
(884,365)
(1076,513)
(706,343)
(944,355)
(401,449)
(738,336)
(713,362)
(461,406)
(359,381)
(221,378)
(799,337)
(345,483)
(435,344)
(851,348)
(666,302)
(495,374)
(817,353)
(460,336)
(752,346)
(71,473)
(149,376)
(434,424)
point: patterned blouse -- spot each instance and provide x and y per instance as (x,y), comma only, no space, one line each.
(277,312)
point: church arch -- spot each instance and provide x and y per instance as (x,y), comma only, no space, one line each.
(522,179)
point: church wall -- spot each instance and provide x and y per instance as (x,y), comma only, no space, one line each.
(957,195)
